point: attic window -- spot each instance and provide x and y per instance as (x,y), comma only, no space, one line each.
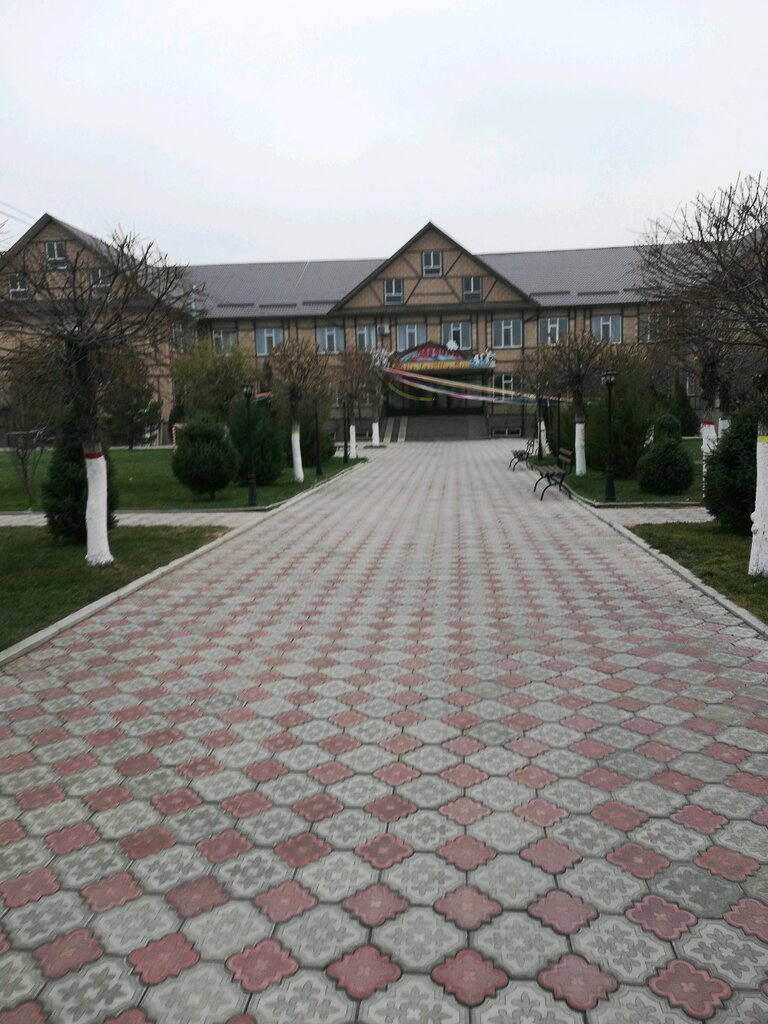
(17,286)
(472,289)
(56,255)
(432,263)
(393,291)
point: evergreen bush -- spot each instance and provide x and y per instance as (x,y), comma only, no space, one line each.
(632,418)
(666,468)
(268,446)
(731,472)
(64,492)
(205,460)
(667,426)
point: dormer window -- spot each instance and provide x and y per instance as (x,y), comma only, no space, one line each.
(393,291)
(432,263)
(56,255)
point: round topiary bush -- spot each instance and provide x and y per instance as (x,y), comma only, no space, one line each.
(205,460)
(65,490)
(667,426)
(666,468)
(731,476)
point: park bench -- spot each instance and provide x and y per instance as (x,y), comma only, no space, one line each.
(522,454)
(555,474)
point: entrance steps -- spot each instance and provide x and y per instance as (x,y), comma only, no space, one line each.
(446,428)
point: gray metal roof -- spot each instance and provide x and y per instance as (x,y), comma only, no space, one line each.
(566,277)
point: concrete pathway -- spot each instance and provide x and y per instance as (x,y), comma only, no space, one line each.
(419,749)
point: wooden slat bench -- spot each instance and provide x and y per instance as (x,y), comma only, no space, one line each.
(555,474)
(522,454)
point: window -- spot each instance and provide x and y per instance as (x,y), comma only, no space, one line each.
(56,255)
(224,340)
(457,335)
(99,281)
(182,336)
(410,335)
(393,291)
(607,327)
(649,328)
(267,338)
(506,382)
(330,339)
(365,338)
(553,329)
(472,289)
(432,263)
(17,286)
(508,333)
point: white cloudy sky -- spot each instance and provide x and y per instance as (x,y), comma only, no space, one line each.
(246,130)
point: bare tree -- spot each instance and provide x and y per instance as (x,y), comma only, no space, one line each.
(573,366)
(359,381)
(33,405)
(706,271)
(299,371)
(79,317)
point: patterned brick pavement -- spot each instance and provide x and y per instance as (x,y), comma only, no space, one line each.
(418,750)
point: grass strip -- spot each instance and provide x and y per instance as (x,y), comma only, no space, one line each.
(43,581)
(718,558)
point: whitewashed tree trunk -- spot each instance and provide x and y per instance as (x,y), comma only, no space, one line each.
(352,441)
(97,541)
(375,438)
(708,442)
(758,558)
(581,451)
(298,468)
(722,425)
(545,449)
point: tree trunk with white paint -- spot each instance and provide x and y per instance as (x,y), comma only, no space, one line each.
(545,449)
(708,442)
(298,467)
(96,516)
(758,558)
(722,425)
(375,437)
(352,441)
(581,450)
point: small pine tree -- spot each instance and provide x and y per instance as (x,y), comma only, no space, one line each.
(65,489)
(268,446)
(666,468)
(731,477)
(205,460)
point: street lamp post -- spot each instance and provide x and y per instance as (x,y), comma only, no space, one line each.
(609,379)
(318,460)
(247,386)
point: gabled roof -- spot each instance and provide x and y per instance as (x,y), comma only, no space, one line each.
(429,226)
(88,241)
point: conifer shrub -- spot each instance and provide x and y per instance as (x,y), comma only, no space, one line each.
(64,492)
(666,468)
(667,426)
(731,472)
(205,460)
(268,445)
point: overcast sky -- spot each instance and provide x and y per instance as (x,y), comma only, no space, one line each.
(240,130)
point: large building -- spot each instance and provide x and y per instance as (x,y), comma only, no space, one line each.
(433,305)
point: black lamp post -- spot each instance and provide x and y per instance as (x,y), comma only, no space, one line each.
(609,379)
(318,461)
(247,386)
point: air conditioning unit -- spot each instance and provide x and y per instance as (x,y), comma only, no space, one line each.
(382,329)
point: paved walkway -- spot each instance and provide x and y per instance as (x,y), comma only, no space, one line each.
(419,749)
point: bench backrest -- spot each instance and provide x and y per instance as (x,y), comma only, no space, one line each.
(565,459)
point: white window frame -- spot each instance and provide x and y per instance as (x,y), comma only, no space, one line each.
(267,339)
(393,291)
(99,281)
(459,331)
(647,328)
(410,336)
(554,331)
(509,333)
(603,327)
(330,339)
(365,337)
(18,287)
(56,255)
(506,382)
(472,288)
(432,263)
(223,340)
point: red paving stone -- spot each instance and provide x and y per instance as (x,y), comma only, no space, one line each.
(314,762)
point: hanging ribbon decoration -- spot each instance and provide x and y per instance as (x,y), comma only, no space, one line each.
(485,393)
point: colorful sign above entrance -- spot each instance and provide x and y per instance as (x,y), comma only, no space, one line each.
(437,357)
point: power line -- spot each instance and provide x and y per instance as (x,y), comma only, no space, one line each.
(16,209)
(13,216)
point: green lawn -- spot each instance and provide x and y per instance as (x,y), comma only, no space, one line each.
(592,486)
(43,581)
(717,557)
(145,481)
